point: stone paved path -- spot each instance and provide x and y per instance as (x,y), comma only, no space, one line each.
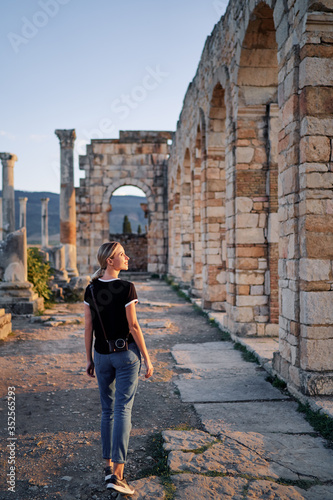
(243,438)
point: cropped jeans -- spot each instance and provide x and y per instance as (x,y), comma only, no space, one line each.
(117,375)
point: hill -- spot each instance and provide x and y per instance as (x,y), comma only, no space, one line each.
(121,205)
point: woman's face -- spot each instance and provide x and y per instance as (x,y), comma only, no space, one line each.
(119,260)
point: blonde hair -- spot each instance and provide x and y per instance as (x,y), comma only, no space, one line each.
(105,251)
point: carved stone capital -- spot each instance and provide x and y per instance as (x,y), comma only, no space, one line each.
(66,137)
(7,157)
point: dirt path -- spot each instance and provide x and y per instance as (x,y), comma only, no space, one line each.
(57,451)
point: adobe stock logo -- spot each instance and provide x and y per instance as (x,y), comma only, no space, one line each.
(30,28)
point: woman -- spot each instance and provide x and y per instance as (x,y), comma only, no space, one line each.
(114,322)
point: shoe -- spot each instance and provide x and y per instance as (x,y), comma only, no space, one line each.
(108,474)
(120,485)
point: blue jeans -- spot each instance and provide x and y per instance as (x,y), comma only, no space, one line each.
(117,376)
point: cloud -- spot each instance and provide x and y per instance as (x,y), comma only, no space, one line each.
(6,134)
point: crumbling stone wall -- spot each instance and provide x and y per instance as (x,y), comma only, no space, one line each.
(137,158)
(250,182)
(136,248)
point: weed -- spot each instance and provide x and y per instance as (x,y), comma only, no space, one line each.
(304,484)
(246,355)
(202,449)
(277,382)
(160,456)
(321,422)
(184,427)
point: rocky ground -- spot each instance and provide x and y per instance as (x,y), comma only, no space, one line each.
(210,405)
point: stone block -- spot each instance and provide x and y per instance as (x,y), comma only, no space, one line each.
(218,212)
(317,332)
(316,355)
(247,220)
(315,149)
(244,154)
(243,314)
(272,330)
(315,71)
(289,304)
(243,204)
(250,236)
(251,300)
(319,245)
(312,125)
(249,278)
(288,182)
(314,269)
(316,308)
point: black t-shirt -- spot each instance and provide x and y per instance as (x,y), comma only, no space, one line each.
(112,297)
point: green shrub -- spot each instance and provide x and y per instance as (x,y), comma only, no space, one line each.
(39,273)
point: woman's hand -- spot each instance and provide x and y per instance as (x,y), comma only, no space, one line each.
(90,369)
(149,368)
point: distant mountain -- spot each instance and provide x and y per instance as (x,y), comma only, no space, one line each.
(121,206)
(130,206)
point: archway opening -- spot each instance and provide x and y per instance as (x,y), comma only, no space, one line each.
(128,223)
(213,209)
(256,175)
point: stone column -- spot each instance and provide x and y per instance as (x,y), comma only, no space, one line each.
(1,235)
(67,199)
(8,195)
(45,222)
(23,212)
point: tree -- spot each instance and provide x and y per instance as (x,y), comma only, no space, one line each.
(39,273)
(139,229)
(127,226)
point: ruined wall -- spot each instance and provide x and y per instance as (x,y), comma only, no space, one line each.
(137,158)
(250,182)
(136,248)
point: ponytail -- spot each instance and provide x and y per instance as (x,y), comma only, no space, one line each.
(98,274)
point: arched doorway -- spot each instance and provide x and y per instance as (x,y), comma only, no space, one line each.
(137,158)
(128,221)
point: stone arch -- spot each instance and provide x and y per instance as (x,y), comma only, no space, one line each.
(128,182)
(256,297)
(137,158)
(176,239)
(196,284)
(186,220)
(213,209)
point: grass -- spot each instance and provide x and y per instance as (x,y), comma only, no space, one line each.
(160,466)
(277,382)
(202,449)
(246,355)
(321,422)
(304,484)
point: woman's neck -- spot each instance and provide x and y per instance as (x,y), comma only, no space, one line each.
(110,274)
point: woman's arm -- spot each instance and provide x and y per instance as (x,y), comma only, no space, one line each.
(88,339)
(136,332)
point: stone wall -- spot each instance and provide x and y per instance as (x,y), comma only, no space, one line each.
(250,182)
(136,249)
(137,158)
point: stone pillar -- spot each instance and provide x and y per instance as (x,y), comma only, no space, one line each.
(67,199)
(17,295)
(45,222)
(1,235)
(8,195)
(23,212)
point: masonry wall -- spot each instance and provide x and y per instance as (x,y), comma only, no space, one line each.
(250,182)
(137,158)
(136,249)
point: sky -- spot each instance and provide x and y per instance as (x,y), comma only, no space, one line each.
(98,66)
